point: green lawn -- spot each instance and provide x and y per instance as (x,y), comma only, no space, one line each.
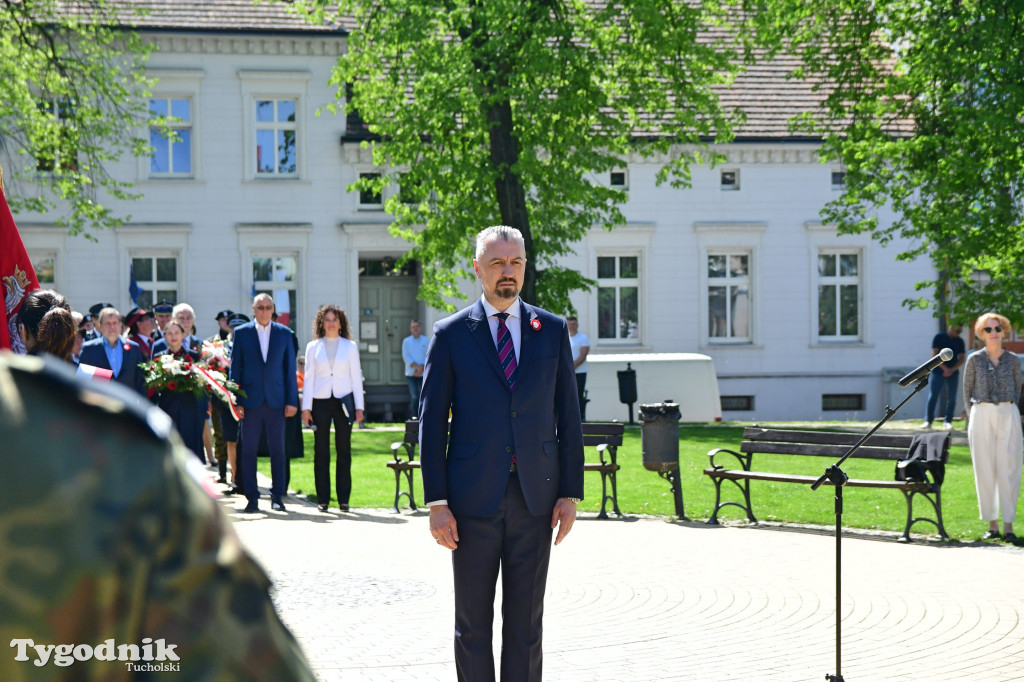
(644,492)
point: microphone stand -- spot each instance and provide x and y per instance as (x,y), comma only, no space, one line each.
(837,478)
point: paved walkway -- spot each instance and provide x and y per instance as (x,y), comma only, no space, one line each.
(369,596)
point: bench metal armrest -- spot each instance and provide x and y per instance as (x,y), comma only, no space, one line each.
(612,451)
(744,460)
(410,451)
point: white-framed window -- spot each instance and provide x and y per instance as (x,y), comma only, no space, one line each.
(45,265)
(370,200)
(274,123)
(172,157)
(276,274)
(60,151)
(155,276)
(177,97)
(729,306)
(729,282)
(729,179)
(619,179)
(838,294)
(838,180)
(276,136)
(618,297)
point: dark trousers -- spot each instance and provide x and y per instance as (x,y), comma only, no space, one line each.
(520,544)
(937,384)
(324,411)
(256,419)
(581,384)
(415,386)
(220,448)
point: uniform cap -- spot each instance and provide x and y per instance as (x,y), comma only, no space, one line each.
(237,320)
(224,313)
(163,307)
(136,314)
(95,310)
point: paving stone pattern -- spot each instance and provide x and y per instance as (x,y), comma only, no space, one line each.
(369,595)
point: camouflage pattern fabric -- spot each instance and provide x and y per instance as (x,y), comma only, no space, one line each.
(106,535)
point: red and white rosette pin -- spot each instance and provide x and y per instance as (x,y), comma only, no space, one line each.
(535,323)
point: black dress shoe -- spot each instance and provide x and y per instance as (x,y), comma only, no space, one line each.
(251,508)
(1010,537)
(322,507)
(990,535)
(235,490)
(276,504)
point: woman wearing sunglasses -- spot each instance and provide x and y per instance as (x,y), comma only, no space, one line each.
(992,387)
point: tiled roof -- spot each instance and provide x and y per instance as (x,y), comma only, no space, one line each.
(763,91)
(220,16)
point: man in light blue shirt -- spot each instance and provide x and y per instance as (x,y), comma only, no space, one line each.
(414,352)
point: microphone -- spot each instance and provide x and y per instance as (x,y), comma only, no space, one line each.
(945,355)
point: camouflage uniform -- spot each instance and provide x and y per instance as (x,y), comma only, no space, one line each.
(105,534)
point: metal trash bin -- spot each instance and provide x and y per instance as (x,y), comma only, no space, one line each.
(659,438)
(627,389)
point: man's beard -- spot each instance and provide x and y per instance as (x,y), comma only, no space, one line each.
(502,292)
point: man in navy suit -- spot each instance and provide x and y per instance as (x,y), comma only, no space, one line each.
(112,352)
(263,365)
(509,467)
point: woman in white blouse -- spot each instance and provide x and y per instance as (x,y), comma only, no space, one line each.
(332,390)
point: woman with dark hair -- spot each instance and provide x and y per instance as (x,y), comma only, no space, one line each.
(332,391)
(992,387)
(183,407)
(46,325)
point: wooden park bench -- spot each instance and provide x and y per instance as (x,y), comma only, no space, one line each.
(605,437)
(828,444)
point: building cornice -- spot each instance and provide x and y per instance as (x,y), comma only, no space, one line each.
(248,44)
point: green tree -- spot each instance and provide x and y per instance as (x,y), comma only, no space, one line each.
(515,111)
(73,90)
(924,109)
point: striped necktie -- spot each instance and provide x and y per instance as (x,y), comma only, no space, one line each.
(506,352)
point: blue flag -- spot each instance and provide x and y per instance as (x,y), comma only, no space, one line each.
(133,288)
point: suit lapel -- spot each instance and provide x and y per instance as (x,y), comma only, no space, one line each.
(480,330)
(528,338)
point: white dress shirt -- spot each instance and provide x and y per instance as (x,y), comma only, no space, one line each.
(263,332)
(513,322)
(324,380)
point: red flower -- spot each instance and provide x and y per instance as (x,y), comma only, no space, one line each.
(126,346)
(535,323)
(171,385)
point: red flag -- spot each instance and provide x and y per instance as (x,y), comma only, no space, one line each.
(17,276)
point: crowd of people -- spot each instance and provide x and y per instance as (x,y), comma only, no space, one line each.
(271,379)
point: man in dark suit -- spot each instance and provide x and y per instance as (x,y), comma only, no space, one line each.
(509,467)
(263,365)
(112,352)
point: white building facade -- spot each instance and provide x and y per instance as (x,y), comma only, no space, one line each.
(801,323)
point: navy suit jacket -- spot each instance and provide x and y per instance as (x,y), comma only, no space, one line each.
(468,462)
(272,382)
(131,374)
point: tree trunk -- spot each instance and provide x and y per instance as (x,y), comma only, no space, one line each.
(509,190)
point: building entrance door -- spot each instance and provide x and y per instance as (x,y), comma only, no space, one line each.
(387,303)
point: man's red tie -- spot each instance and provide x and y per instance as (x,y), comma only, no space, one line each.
(506,352)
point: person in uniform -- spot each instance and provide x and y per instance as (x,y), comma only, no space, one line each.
(108,539)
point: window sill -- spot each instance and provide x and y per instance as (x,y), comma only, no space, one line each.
(172,180)
(840,344)
(283,180)
(737,345)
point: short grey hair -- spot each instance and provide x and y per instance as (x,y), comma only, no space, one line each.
(503,232)
(182,307)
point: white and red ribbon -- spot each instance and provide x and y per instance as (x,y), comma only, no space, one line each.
(223,392)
